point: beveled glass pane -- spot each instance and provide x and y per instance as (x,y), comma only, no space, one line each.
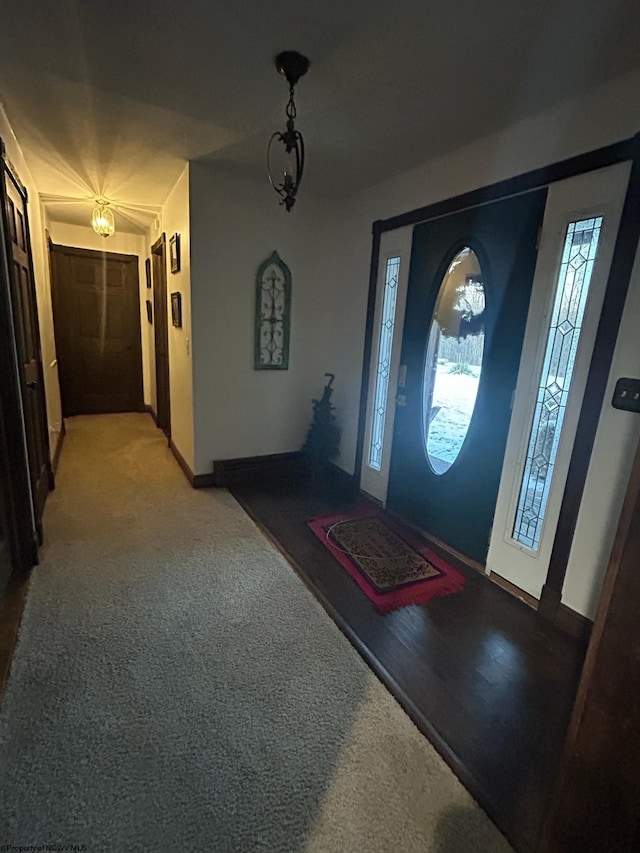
(385,342)
(453,360)
(572,289)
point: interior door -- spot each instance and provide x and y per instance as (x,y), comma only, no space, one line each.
(5,545)
(27,333)
(460,355)
(96,312)
(161,335)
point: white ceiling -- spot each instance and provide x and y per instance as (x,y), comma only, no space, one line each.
(111,98)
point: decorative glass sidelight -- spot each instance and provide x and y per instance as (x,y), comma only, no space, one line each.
(453,360)
(572,289)
(273,315)
(385,344)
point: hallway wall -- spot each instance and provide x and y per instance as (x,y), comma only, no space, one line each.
(175,218)
(81,237)
(236,224)
(42,283)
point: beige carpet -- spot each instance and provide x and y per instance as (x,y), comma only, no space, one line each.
(176,687)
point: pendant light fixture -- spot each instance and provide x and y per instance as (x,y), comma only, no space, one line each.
(285,161)
(102,219)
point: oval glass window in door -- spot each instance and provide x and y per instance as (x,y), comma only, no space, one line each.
(453,361)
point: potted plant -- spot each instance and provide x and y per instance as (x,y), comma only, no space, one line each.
(322,443)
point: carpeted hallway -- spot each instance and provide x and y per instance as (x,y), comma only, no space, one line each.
(176,687)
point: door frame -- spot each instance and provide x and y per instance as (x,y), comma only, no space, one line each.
(615,295)
(15,480)
(161,329)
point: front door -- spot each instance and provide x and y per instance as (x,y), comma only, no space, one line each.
(96,313)
(27,332)
(469,287)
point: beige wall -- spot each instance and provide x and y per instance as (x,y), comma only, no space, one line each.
(175,218)
(236,224)
(121,243)
(42,283)
(615,445)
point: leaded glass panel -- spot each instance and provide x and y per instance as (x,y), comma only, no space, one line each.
(385,344)
(574,279)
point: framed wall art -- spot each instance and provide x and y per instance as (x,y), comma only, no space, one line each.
(174,253)
(273,315)
(176,309)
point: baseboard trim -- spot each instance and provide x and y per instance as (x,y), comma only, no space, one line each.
(568,620)
(197,481)
(154,417)
(56,454)
(252,469)
(514,590)
(202,481)
(574,623)
(375,501)
(344,481)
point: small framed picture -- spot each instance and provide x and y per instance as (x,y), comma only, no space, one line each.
(174,252)
(147,269)
(149,311)
(176,309)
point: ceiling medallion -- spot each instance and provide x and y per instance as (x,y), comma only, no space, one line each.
(286,165)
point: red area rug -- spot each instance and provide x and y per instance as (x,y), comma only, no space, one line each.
(391,564)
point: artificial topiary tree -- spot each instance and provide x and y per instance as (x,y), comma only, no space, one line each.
(322,443)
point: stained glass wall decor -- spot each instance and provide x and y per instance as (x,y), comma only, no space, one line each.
(273,315)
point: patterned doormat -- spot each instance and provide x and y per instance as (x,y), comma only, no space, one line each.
(391,564)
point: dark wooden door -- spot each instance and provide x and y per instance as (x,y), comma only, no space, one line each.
(27,337)
(161,333)
(6,563)
(455,500)
(96,313)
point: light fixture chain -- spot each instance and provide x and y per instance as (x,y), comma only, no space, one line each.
(291,106)
(285,180)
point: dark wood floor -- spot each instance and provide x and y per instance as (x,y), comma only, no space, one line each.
(487,680)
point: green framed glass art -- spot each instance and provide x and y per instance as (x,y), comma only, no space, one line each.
(273,315)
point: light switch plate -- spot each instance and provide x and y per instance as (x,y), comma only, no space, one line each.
(626,395)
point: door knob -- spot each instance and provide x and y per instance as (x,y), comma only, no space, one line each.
(401,400)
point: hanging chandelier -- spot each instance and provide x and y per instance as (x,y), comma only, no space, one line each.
(285,164)
(102,219)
